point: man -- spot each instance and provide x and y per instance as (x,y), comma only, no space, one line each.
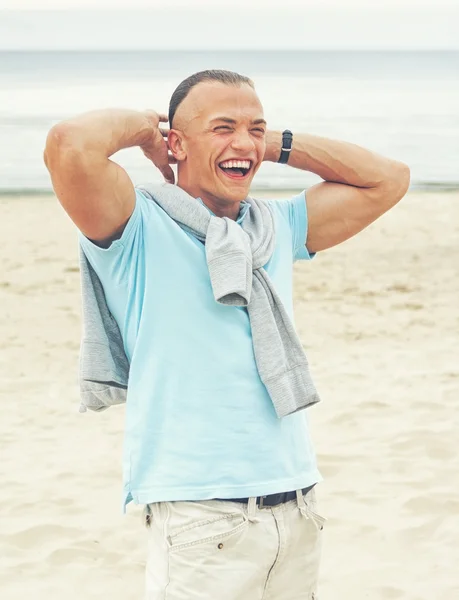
(228,486)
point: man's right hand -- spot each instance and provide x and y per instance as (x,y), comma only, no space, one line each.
(155,147)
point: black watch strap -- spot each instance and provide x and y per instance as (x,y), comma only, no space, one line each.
(287,139)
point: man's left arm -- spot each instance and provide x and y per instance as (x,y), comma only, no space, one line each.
(358,187)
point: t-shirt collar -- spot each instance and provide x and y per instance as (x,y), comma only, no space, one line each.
(244,208)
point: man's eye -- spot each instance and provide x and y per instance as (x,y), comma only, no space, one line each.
(223,127)
(259,130)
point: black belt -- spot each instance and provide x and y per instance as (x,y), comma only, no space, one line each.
(272,499)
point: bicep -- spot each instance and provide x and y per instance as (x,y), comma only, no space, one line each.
(338,211)
(115,262)
(97,194)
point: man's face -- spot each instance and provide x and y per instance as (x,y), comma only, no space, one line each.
(223,140)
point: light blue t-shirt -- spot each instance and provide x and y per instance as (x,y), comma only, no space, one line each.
(199,421)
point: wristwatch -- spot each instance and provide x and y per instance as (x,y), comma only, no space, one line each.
(287,139)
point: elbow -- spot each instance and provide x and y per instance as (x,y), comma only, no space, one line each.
(403,179)
(63,143)
(396,183)
(400,180)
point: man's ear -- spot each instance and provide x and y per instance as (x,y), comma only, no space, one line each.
(175,142)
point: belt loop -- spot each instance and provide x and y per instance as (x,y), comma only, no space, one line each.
(303,507)
(300,501)
(252,509)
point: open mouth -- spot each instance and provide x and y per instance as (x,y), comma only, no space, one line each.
(236,169)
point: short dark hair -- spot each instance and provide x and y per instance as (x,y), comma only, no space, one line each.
(184,88)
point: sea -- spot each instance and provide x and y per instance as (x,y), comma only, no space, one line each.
(401,104)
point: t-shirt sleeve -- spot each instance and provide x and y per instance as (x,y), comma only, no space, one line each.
(115,262)
(294,211)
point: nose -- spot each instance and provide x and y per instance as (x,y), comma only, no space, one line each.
(242,142)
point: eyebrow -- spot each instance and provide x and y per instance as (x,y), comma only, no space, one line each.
(234,122)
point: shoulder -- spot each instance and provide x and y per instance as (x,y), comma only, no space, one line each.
(288,208)
(291,213)
(115,261)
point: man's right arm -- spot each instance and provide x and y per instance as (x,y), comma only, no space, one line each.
(96,192)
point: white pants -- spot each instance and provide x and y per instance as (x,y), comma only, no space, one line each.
(222,550)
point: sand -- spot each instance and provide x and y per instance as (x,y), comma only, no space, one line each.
(379,316)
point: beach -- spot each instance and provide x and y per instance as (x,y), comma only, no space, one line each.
(379,318)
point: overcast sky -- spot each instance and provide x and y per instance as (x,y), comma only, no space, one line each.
(95,4)
(232,24)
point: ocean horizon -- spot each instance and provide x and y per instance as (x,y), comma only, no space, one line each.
(404,104)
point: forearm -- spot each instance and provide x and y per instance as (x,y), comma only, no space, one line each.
(103,132)
(333,160)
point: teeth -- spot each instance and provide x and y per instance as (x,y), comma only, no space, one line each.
(236,164)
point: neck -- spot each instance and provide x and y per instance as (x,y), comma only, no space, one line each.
(219,207)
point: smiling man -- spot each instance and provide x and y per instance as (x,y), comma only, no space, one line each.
(227,479)
(202,140)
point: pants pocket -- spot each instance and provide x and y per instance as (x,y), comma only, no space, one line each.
(319,521)
(310,510)
(210,550)
(217,532)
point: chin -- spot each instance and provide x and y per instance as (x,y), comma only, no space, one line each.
(237,196)
(236,193)
(233,189)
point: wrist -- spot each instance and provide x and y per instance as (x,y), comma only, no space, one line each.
(147,125)
(273,145)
